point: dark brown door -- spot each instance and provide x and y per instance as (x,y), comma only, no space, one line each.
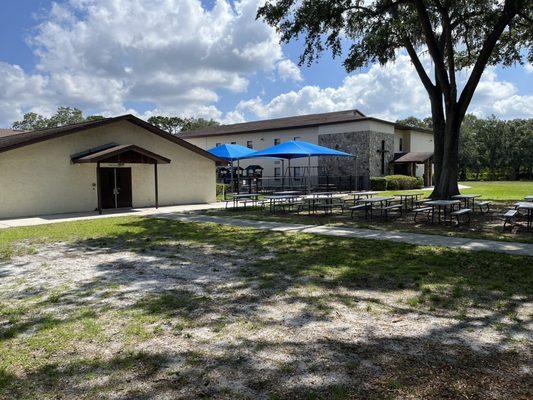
(115,187)
(123,186)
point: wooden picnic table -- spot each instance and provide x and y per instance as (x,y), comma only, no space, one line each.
(408,199)
(442,207)
(528,207)
(467,199)
(369,202)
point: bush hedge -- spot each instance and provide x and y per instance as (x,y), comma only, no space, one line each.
(221,188)
(396,182)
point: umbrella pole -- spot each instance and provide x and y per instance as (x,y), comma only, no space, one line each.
(290,181)
(282,174)
(231,179)
(309,174)
(238,179)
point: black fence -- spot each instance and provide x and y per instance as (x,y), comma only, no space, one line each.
(315,183)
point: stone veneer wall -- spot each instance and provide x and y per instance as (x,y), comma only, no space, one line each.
(365,145)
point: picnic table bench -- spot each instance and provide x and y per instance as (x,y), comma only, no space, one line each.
(509,217)
(359,207)
(423,210)
(463,213)
(392,207)
(442,208)
(370,202)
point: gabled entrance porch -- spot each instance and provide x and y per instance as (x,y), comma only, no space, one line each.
(114,184)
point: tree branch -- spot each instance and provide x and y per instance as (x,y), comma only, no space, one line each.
(509,12)
(426,81)
(431,41)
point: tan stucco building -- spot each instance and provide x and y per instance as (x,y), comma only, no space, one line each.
(105,164)
(376,143)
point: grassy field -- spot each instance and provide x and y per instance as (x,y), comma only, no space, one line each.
(135,307)
(505,191)
(500,191)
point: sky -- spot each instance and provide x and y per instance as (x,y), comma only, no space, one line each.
(202,58)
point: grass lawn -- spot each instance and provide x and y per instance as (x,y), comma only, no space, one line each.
(504,191)
(500,191)
(134,307)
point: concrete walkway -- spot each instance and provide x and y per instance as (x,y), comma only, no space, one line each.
(57,218)
(525,249)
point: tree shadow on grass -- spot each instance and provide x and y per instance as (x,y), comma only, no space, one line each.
(273,269)
(373,368)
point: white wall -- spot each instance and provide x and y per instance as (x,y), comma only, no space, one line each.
(421,142)
(41,179)
(264,139)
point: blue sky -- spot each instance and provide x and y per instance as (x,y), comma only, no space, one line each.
(200,58)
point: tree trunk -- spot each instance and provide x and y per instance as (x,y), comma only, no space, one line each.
(447,152)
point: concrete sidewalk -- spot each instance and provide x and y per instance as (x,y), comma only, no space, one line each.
(57,218)
(524,249)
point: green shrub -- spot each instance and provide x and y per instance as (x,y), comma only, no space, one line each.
(378,183)
(396,182)
(221,189)
(403,182)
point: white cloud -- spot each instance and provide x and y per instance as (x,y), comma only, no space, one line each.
(176,57)
(391,91)
(528,67)
(382,91)
(289,71)
(175,54)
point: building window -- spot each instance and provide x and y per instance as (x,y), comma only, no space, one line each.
(249,144)
(296,138)
(277,172)
(218,144)
(277,141)
(400,145)
(233,142)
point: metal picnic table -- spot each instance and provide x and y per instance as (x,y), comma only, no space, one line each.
(313,198)
(278,198)
(286,193)
(528,198)
(528,206)
(237,197)
(441,205)
(467,199)
(370,202)
(408,199)
(358,195)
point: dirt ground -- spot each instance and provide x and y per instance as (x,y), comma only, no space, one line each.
(189,321)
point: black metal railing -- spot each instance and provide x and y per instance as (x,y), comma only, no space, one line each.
(315,183)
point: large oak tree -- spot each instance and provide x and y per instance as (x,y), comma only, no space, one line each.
(456,34)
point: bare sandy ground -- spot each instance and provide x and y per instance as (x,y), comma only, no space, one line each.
(220,333)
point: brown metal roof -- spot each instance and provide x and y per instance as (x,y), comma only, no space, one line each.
(114,151)
(416,157)
(8,132)
(298,121)
(22,139)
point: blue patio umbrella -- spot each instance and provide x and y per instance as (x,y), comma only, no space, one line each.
(231,152)
(298,149)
